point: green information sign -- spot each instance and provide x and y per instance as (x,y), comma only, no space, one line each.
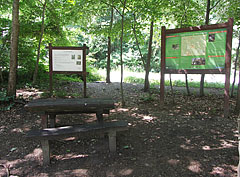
(196,50)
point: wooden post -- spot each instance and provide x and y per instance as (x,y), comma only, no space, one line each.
(52,118)
(44,119)
(228,66)
(46,152)
(84,72)
(163,53)
(99,116)
(112,141)
(50,70)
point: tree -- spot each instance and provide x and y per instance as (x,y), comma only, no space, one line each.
(109,48)
(39,44)
(11,91)
(235,65)
(207,17)
(147,68)
(121,55)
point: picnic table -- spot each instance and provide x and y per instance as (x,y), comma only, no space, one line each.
(49,108)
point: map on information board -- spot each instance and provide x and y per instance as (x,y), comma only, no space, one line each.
(196,50)
(67,60)
(193,45)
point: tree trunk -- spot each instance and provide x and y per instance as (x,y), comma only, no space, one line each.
(109,49)
(237,108)
(39,44)
(146,83)
(121,55)
(11,91)
(1,76)
(108,60)
(206,23)
(235,66)
(187,87)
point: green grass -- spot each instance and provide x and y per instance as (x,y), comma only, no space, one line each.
(176,83)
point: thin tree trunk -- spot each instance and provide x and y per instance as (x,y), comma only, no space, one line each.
(186,77)
(146,83)
(171,86)
(121,55)
(237,108)
(206,23)
(108,60)
(187,87)
(39,44)
(11,91)
(1,76)
(109,50)
(235,65)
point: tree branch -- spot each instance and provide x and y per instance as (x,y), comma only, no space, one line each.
(112,7)
(215,5)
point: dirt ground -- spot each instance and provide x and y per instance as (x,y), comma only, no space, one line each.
(188,136)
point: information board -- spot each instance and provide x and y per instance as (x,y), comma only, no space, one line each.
(67,60)
(196,50)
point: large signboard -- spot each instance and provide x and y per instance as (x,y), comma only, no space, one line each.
(67,60)
(196,50)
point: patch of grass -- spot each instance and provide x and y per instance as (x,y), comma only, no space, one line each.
(132,79)
(147,98)
(176,83)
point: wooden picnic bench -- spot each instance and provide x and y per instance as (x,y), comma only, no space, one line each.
(68,131)
(49,108)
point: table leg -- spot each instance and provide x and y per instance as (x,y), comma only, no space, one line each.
(112,141)
(99,115)
(44,122)
(52,120)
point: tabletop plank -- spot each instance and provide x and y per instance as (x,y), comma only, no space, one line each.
(84,105)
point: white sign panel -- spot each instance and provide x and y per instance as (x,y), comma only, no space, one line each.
(67,60)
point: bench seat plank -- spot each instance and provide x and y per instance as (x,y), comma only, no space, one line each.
(60,132)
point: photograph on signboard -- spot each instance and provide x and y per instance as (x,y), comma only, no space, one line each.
(198,61)
(211,37)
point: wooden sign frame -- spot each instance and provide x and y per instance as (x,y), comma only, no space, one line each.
(229,26)
(83,73)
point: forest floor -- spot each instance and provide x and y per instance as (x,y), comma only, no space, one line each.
(188,136)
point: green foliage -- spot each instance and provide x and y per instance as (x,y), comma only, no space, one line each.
(74,23)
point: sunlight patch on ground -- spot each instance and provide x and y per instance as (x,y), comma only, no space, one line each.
(35,154)
(147,118)
(173,161)
(70,156)
(195,166)
(222,171)
(186,147)
(17,130)
(123,110)
(225,144)
(126,172)
(76,172)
